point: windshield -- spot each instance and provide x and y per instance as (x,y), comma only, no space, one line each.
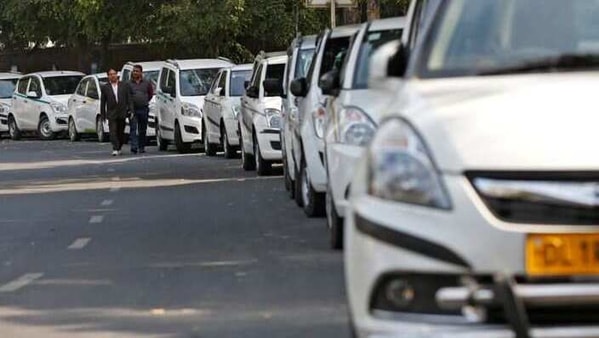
(304,59)
(196,82)
(61,85)
(481,36)
(152,76)
(372,41)
(7,87)
(238,78)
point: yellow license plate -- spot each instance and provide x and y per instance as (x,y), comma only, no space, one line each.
(562,254)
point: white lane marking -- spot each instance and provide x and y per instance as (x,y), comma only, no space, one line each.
(96,219)
(20,282)
(106,203)
(79,243)
(115,189)
(116,179)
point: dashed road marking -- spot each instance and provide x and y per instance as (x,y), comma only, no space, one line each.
(96,219)
(106,203)
(20,282)
(79,243)
(115,189)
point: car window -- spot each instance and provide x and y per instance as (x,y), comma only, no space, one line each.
(22,86)
(196,82)
(222,83)
(92,90)
(372,41)
(81,87)
(171,81)
(304,60)
(126,76)
(257,76)
(163,79)
(35,86)
(61,85)
(334,53)
(238,78)
(275,71)
(152,76)
(7,88)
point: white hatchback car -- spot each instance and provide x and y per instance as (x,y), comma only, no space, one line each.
(8,83)
(260,118)
(222,108)
(353,113)
(40,103)
(182,87)
(475,211)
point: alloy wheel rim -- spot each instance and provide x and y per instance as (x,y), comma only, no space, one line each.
(72,129)
(12,128)
(46,127)
(256,154)
(99,128)
(305,190)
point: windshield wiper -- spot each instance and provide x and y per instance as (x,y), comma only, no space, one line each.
(554,63)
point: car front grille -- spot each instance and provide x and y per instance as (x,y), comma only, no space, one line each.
(540,198)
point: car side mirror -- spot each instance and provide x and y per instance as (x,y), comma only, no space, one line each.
(273,87)
(218,91)
(398,63)
(299,87)
(252,92)
(380,64)
(329,83)
(32,95)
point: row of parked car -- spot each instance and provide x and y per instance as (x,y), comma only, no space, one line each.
(453,153)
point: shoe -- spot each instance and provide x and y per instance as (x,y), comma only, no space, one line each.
(115,153)
(119,153)
(142,151)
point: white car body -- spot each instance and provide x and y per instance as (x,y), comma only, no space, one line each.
(7,81)
(151,71)
(353,100)
(223,105)
(179,115)
(260,118)
(45,112)
(496,246)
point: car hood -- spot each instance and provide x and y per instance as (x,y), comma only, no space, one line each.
(273,102)
(64,99)
(197,100)
(521,122)
(5,101)
(371,101)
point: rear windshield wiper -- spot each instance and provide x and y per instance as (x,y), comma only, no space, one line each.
(556,63)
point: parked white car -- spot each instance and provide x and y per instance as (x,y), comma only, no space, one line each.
(260,118)
(474,212)
(299,58)
(353,114)
(221,109)
(8,83)
(182,87)
(307,141)
(40,103)
(151,71)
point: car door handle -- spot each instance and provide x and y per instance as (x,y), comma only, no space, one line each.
(84,102)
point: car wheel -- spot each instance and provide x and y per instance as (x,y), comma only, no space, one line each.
(13,129)
(209,148)
(289,183)
(298,188)
(263,167)
(182,147)
(229,150)
(247,160)
(312,201)
(73,134)
(334,223)
(44,129)
(100,132)
(160,142)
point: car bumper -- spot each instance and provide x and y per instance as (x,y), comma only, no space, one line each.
(3,123)
(151,130)
(59,122)
(314,157)
(232,130)
(341,163)
(191,129)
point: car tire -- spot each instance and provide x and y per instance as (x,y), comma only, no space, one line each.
(74,136)
(289,183)
(312,201)
(44,129)
(209,148)
(263,167)
(13,129)
(182,147)
(230,151)
(160,142)
(334,223)
(100,132)
(298,188)
(247,160)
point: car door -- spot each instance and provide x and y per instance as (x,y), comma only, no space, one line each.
(168,106)
(219,97)
(76,103)
(91,107)
(18,101)
(252,102)
(210,105)
(32,106)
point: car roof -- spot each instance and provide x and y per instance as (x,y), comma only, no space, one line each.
(308,42)
(388,24)
(277,59)
(54,73)
(147,65)
(5,76)
(246,66)
(200,63)
(344,31)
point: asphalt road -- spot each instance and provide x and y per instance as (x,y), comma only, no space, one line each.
(159,245)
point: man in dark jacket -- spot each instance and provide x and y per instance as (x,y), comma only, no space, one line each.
(142,92)
(115,104)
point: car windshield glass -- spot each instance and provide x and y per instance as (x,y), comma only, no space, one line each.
(304,59)
(7,87)
(61,85)
(372,41)
(196,82)
(152,76)
(478,37)
(238,78)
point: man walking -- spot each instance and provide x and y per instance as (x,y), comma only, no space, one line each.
(115,104)
(142,92)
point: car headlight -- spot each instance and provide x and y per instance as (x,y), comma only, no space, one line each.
(4,109)
(188,109)
(273,118)
(58,107)
(319,121)
(401,168)
(355,127)
(236,110)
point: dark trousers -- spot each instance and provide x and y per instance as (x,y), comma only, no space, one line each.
(138,128)
(117,133)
